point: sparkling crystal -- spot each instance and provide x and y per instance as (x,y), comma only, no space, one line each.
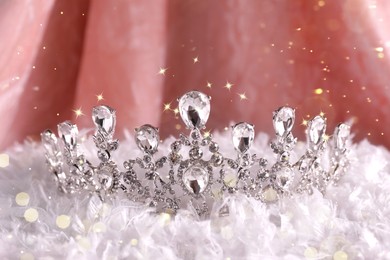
(195,153)
(316,129)
(194,109)
(283,120)
(104,119)
(147,138)
(49,141)
(68,133)
(341,135)
(196,179)
(217,159)
(243,135)
(284,177)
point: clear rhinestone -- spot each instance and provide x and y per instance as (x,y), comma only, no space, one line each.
(49,141)
(316,130)
(243,135)
(104,119)
(341,135)
(284,177)
(216,159)
(68,133)
(147,138)
(196,153)
(196,179)
(194,109)
(283,120)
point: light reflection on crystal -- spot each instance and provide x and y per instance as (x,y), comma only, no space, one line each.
(341,135)
(104,118)
(196,179)
(316,129)
(283,120)
(68,133)
(147,138)
(243,135)
(194,109)
(284,177)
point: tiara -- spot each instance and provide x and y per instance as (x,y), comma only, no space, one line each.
(195,172)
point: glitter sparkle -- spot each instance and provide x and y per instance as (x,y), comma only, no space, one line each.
(242,96)
(196,59)
(167,107)
(162,71)
(78,112)
(209,85)
(228,85)
(100,97)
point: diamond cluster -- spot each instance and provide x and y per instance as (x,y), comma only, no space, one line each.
(195,171)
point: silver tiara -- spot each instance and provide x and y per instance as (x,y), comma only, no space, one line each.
(195,172)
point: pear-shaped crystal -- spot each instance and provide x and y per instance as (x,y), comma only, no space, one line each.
(49,141)
(243,135)
(194,109)
(195,179)
(283,120)
(147,138)
(341,135)
(68,133)
(104,119)
(316,129)
(284,177)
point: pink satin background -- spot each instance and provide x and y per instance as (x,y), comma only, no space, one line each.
(58,55)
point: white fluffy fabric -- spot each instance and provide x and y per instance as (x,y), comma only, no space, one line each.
(351,222)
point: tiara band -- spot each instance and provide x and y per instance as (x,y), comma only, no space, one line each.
(195,171)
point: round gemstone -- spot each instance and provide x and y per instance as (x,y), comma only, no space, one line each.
(316,129)
(283,120)
(68,133)
(104,119)
(147,138)
(194,109)
(341,135)
(243,135)
(196,179)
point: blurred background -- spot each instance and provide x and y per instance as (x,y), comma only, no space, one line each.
(60,58)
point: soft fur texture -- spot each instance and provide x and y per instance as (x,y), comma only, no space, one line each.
(351,221)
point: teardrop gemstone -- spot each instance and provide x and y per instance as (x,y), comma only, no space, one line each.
(243,135)
(68,133)
(49,141)
(194,108)
(341,135)
(195,179)
(147,138)
(316,129)
(283,120)
(104,119)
